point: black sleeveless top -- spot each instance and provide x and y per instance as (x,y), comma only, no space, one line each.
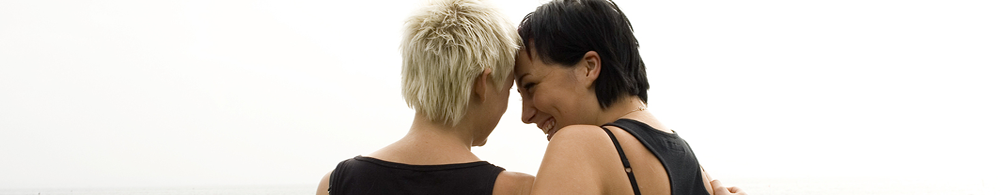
(674,153)
(365,175)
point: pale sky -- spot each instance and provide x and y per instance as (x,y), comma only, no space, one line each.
(209,93)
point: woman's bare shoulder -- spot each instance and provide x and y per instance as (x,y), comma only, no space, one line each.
(585,140)
(576,134)
(577,160)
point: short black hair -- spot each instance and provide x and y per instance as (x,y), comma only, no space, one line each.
(562,32)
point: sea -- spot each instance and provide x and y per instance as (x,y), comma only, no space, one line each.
(228,190)
(771,186)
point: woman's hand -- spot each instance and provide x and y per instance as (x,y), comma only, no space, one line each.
(719,189)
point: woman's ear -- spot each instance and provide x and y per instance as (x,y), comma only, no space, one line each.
(481,85)
(592,66)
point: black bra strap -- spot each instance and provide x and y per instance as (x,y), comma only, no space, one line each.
(626,164)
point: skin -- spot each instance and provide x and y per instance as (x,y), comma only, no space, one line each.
(581,158)
(434,143)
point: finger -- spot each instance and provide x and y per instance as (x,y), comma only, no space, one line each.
(736,190)
(718,187)
(715,183)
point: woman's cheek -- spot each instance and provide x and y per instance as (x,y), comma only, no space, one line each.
(547,103)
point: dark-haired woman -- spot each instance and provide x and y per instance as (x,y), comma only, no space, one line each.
(584,84)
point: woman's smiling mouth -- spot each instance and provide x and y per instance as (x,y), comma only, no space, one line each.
(548,127)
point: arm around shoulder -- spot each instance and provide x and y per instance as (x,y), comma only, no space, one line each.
(324,184)
(513,183)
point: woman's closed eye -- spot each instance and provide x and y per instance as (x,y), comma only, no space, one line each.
(525,88)
(528,86)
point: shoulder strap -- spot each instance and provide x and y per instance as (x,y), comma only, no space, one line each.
(626,164)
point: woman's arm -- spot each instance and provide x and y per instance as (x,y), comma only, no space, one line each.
(514,183)
(324,182)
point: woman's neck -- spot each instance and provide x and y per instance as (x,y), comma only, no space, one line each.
(632,108)
(430,143)
(623,108)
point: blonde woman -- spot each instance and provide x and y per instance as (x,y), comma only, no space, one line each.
(458,57)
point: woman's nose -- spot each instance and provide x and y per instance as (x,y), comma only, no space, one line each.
(528,111)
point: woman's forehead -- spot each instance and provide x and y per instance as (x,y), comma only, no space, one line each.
(523,62)
(523,65)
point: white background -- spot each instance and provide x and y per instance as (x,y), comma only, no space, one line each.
(210,93)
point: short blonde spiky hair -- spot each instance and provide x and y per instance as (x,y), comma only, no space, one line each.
(446,45)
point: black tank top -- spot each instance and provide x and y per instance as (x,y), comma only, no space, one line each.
(674,153)
(365,175)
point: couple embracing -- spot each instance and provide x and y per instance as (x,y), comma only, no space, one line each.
(577,68)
